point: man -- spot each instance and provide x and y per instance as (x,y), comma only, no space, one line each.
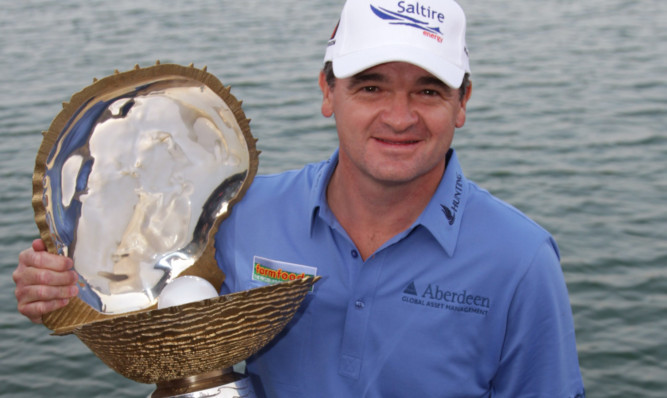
(431,286)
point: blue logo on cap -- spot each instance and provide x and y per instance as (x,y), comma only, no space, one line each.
(397,18)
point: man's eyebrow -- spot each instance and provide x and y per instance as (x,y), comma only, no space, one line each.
(362,78)
(434,81)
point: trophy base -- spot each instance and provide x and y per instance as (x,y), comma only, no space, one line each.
(223,383)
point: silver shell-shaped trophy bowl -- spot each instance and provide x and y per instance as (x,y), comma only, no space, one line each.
(132,180)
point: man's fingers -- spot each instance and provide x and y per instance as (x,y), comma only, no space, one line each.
(33,293)
(46,278)
(38,245)
(39,291)
(44,260)
(35,301)
(35,310)
(29,276)
(44,281)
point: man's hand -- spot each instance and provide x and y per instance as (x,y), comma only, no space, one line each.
(44,281)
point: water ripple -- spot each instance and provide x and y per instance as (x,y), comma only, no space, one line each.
(567,122)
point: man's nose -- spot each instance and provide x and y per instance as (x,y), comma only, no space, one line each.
(399,112)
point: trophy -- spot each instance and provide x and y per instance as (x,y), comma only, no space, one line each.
(132,181)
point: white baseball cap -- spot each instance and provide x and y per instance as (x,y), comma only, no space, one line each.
(426,33)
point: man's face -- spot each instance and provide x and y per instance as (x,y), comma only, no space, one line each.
(395,122)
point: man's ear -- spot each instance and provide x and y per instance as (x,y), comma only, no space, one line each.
(327,96)
(461,117)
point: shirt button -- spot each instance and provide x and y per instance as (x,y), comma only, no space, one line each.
(354,253)
(359,304)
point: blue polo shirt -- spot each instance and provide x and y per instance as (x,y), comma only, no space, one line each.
(470,301)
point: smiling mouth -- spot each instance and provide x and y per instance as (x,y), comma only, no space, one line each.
(394,142)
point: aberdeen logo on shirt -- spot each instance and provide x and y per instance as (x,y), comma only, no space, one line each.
(434,296)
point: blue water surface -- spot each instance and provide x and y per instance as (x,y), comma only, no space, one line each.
(567,122)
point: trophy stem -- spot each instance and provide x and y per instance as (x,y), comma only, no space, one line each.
(219,383)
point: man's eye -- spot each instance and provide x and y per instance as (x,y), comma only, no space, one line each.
(370,89)
(429,92)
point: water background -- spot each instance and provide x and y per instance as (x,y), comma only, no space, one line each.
(567,122)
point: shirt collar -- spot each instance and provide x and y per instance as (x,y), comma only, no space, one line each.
(318,194)
(441,217)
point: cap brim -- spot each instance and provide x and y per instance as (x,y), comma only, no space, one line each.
(350,64)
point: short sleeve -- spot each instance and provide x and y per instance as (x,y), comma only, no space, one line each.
(539,355)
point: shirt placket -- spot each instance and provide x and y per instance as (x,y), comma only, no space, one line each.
(358,315)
